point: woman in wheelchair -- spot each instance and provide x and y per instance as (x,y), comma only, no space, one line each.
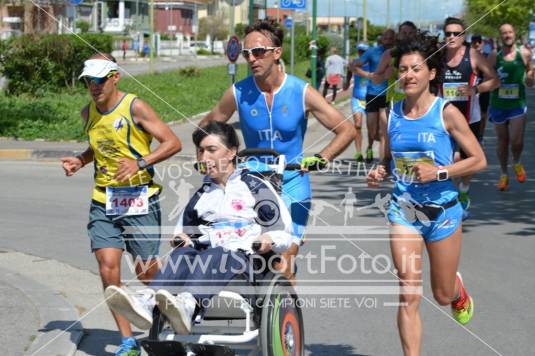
(232,211)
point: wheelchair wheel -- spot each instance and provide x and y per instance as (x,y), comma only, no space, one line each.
(282,331)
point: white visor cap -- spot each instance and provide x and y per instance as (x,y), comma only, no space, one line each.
(98,68)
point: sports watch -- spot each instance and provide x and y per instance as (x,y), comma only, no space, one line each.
(442,174)
(141,163)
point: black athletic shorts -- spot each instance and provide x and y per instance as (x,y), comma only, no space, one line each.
(475,128)
(374,103)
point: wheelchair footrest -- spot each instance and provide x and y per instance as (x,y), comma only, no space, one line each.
(168,348)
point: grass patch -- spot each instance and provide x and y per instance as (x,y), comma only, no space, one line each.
(181,93)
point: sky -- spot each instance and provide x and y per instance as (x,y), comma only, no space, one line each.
(376,9)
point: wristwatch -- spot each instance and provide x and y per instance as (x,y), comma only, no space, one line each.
(442,174)
(141,163)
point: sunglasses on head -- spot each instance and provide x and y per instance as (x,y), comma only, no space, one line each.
(257,52)
(98,81)
(452,33)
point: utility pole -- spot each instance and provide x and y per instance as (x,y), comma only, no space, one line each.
(364,22)
(314,45)
(387,13)
(251,12)
(151,39)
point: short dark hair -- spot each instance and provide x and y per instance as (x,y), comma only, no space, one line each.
(428,47)
(226,133)
(269,28)
(476,39)
(408,24)
(454,21)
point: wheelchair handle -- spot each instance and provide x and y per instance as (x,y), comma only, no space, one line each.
(297,167)
(258,152)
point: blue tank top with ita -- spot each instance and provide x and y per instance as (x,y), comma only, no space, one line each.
(421,140)
(282,128)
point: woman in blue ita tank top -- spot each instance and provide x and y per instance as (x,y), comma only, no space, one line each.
(424,211)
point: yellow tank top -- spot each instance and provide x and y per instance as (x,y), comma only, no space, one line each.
(114,135)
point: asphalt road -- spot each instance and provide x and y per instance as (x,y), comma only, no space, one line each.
(44,214)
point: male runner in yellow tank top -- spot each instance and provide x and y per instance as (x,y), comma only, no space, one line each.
(120,128)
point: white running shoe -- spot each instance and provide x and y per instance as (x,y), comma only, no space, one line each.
(179,310)
(136,307)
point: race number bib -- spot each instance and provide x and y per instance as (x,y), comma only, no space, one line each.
(509,91)
(405,161)
(127,200)
(233,234)
(451,92)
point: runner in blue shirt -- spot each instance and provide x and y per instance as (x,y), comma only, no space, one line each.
(272,109)
(376,95)
(358,99)
(422,132)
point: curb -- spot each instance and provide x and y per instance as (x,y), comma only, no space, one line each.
(58,319)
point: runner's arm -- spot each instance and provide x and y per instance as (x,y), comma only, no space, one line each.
(491,80)
(88,155)
(223,110)
(72,164)
(530,72)
(383,70)
(151,122)
(332,120)
(457,126)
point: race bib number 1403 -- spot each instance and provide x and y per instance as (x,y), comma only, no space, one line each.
(127,200)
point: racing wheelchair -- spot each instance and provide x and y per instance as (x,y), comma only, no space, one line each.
(265,320)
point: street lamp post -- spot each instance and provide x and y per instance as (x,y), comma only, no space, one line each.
(314,45)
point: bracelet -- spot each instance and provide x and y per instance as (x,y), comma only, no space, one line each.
(81,158)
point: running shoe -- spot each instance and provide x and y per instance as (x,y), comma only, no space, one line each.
(358,157)
(135,307)
(520,173)
(465,201)
(129,347)
(462,309)
(503,183)
(179,310)
(369,155)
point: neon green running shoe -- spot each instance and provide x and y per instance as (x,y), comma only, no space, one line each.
(358,157)
(463,313)
(369,155)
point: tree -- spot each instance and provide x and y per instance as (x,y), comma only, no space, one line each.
(215,27)
(515,12)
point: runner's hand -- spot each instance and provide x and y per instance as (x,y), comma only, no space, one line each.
(71,165)
(315,162)
(465,90)
(376,176)
(181,240)
(127,169)
(424,172)
(266,243)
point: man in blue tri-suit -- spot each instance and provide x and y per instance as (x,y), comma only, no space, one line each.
(272,107)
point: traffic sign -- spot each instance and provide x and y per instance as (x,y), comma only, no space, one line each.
(288,22)
(293,4)
(233,49)
(76,2)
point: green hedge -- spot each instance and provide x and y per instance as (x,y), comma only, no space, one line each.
(40,64)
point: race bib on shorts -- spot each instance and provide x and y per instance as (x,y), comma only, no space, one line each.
(452,93)
(405,161)
(127,200)
(509,91)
